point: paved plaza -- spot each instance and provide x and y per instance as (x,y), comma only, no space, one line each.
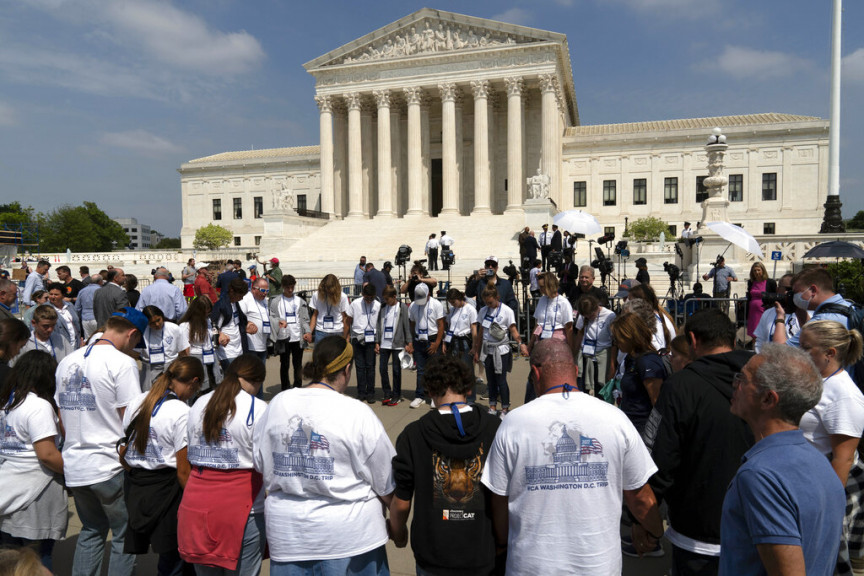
(394,420)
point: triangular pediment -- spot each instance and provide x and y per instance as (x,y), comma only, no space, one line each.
(431,32)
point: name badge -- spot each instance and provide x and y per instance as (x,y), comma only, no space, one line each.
(388,332)
(423,334)
(369,335)
(208,356)
(291,318)
(448,336)
(266,327)
(546,334)
(157,357)
(328,322)
(487,321)
(589,347)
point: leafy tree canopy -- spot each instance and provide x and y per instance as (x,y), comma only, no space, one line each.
(83,228)
(211,237)
(648,229)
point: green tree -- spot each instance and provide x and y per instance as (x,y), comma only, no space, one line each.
(16,218)
(168,243)
(211,237)
(856,222)
(106,230)
(648,229)
(849,279)
(68,227)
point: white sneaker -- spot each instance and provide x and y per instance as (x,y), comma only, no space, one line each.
(493,411)
(417,402)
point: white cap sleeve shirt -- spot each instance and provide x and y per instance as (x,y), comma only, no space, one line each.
(171,340)
(258,313)
(329,316)
(597,332)
(326,459)
(503,316)
(364,319)
(840,411)
(426,318)
(459,320)
(289,312)
(553,313)
(168,433)
(234,348)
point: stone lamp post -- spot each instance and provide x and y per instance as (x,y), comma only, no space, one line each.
(714,207)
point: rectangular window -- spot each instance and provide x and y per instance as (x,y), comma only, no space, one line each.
(580,194)
(237,241)
(217,209)
(670,190)
(505,184)
(701,191)
(769,186)
(257,240)
(736,187)
(238,208)
(640,191)
(768,228)
(609,193)
(258,207)
(673,229)
(301,202)
(608,230)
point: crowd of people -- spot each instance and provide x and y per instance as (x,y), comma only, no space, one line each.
(151,414)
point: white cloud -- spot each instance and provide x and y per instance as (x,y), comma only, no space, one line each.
(741,62)
(140,141)
(853,66)
(8,116)
(514,15)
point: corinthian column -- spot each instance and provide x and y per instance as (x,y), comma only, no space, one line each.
(550,139)
(413,98)
(355,157)
(481,147)
(449,174)
(325,107)
(515,179)
(385,186)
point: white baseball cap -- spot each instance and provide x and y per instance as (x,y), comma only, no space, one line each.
(421,294)
(491,259)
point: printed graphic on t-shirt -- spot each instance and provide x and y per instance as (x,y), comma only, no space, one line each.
(457,483)
(10,442)
(77,394)
(576,463)
(303,456)
(222,454)
(151,454)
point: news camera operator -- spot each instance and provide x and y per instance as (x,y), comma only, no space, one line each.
(488,275)
(768,324)
(418,275)
(814,298)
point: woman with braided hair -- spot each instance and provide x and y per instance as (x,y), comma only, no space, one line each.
(326,461)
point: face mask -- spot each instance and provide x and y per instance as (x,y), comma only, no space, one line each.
(800,302)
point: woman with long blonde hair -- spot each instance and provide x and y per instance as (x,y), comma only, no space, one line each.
(756,285)
(328,307)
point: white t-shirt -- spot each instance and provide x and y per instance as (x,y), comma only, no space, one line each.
(839,411)
(459,320)
(432,244)
(502,316)
(289,311)
(325,458)
(258,313)
(167,434)
(658,339)
(93,383)
(564,462)
(334,313)
(234,348)
(29,422)
(171,340)
(426,318)
(198,348)
(391,321)
(553,314)
(764,332)
(56,345)
(597,332)
(532,278)
(364,317)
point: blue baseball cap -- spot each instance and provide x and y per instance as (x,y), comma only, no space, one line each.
(138,319)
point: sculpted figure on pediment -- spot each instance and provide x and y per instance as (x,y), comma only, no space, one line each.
(428,39)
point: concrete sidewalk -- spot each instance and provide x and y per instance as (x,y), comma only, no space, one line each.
(394,419)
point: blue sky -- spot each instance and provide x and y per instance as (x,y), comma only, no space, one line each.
(102,100)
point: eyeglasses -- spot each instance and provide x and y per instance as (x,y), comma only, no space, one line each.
(739,380)
(263,290)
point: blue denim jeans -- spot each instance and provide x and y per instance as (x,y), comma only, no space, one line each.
(384,370)
(421,357)
(250,556)
(101,507)
(372,563)
(498,382)
(364,364)
(45,548)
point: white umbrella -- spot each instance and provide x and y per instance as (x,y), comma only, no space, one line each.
(577,222)
(736,235)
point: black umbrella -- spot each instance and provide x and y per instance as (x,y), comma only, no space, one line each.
(835,249)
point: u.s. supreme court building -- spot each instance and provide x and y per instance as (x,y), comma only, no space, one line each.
(445,116)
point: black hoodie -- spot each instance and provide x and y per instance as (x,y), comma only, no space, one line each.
(697,443)
(451,532)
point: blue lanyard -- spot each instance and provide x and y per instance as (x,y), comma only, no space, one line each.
(161,400)
(554,315)
(566,389)
(368,314)
(11,400)
(36,344)
(327,385)
(425,315)
(89,348)
(285,304)
(250,418)
(455,411)
(455,322)
(829,377)
(161,340)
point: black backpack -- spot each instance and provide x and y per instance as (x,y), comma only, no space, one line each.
(854,321)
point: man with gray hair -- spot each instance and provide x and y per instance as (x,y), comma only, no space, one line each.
(84,305)
(164,295)
(8,295)
(783,512)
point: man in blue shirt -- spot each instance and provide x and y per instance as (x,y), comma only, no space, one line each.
(35,281)
(783,513)
(164,296)
(84,305)
(813,290)
(359,273)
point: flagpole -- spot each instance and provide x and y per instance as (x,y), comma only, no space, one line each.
(833,220)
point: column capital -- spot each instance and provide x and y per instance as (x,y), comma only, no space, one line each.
(413,95)
(515,85)
(382,98)
(325,103)
(480,88)
(449,91)
(548,83)
(353,100)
